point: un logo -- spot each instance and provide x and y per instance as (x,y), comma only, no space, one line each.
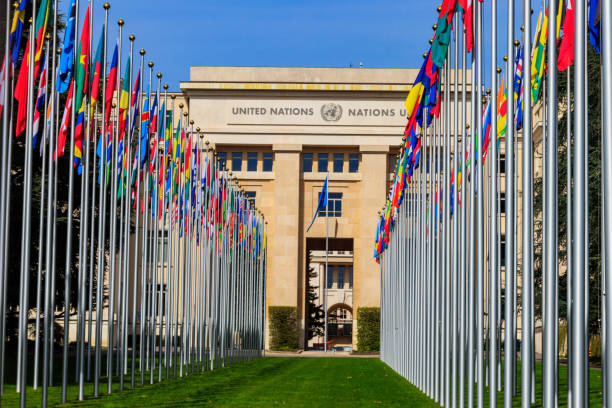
(331,112)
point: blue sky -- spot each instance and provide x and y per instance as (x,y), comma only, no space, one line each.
(183,33)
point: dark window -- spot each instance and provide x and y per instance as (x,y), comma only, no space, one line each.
(332,329)
(502,203)
(267,161)
(334,204)
(252,161)
(351,277)
(502,250)
(502,163)
(353,162)
(322,162)
(340,276)
(251,196)
(338,162)
(307,162)
(222,159)
(237,161)
(330,276)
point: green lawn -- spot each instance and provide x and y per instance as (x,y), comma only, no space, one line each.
(276,381)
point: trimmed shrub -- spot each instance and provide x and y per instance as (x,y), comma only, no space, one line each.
(368,329)
(283,327)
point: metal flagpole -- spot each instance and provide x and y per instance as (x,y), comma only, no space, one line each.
(493,277)
(51,197)
(580,282)
(480,255)
(527,345)
(462,234)
(68,264)
(113,227)
(326,257)
(509,339)
(24,283)
(550,343)
(606,55)
(41,244)
(4,196)
(102,217)
(454,270)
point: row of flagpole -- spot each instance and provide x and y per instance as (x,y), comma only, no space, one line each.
(438,240)
(170,256)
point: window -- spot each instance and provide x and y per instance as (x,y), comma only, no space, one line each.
(332,329)
(350,268)
(334,203)
(502,163)
(502,203)
(340,276)
(237,161)
(267,161)
(251,196)
(502,250)
(338,162)
(252,161)
(162,245)
(322,162)
(307,162)
(353,162)
(222,159)
(330,276)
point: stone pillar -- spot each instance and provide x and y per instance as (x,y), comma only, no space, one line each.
(284,286)
(366,272)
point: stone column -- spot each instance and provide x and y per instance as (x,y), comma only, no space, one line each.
(366,272)
(284,288)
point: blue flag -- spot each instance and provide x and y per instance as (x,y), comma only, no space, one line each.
(595,24)
(322,203)
(67,58)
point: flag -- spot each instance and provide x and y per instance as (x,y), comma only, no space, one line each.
(124,101)
(144,128)
(17,31)
(442,37)
(96,70)
(322,202)
(111,85)
(537,67)
(566,51)
(502,109)
(40,103)
(2,89)
(468,24)
(134,104)
(63,133)
(518,87)
(486,130)
(21,86)
(595,24)
(64,71)
(82,78)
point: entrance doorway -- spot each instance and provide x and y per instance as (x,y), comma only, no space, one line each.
(337,286)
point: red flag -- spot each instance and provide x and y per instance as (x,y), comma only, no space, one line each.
(566,51)
(61,139)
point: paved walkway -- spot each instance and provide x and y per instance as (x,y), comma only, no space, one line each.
(317,353)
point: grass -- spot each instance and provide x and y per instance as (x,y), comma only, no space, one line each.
(278,381)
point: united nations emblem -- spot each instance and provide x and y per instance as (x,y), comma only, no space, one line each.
(331,112)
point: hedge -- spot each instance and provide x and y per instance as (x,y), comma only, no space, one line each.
(283,327)
(368,329)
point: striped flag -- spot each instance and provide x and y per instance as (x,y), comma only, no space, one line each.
(40,104)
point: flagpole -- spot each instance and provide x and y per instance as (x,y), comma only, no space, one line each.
(326,254)
(550,343)
(26,218)
(4,195)
(51,197)
(462,233)
(509,340)
(455,227)
(480,242)
(68,263)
